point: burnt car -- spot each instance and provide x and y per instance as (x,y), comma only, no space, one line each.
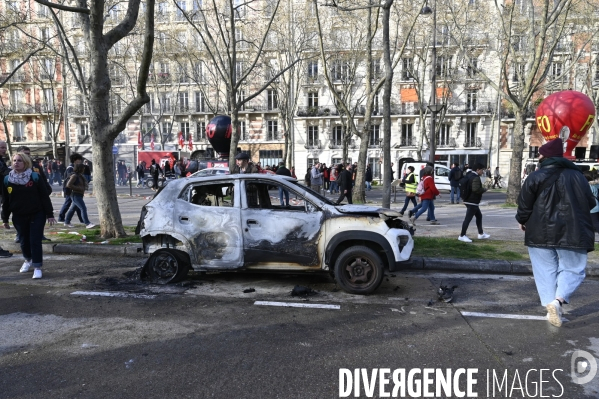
(235,222)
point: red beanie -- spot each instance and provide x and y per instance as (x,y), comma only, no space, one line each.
(553,148)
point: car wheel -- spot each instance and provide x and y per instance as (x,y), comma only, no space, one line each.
(359,270)
(150,183)
(160,183)
(167,266)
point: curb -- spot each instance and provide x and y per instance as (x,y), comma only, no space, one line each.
(417,263)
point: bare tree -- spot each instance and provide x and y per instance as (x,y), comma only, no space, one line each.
(97,91)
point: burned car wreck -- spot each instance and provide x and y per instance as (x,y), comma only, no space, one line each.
(235,222)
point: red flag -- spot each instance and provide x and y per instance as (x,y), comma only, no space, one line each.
(190,143)
(152,143)
(181,140)
(140,143)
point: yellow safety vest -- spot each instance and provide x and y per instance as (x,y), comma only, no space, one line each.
(411,187)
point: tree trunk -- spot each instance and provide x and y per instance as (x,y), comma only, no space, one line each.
(359,193)
(515,178)
(111,224)
(388,174)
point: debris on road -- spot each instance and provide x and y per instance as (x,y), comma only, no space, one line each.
(300,290)
(248,290)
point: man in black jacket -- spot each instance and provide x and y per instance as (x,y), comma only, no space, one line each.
(283,171)
(554,212)
(345,184)
(455,174)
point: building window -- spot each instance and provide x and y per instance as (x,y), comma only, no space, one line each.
(443,66)
(533,152)
(272,130)
(166,131)
(49,131)
(200,105)
(313,136)
(47,71)
(471,98)
(42,11)
(470,135)
(373,138)
(443,135)
(180,12)
(313,69)
(337,136)
(556,69)
(165,102)
(183,101)
(407,68)
(239,69)
(375,167)
(472,69)
(375,69)
(518,72)
(406,134)
(243,134)
(49,99)
(340,70)
(18,132)
(312,161)
(270,157)
(272,101)
(45,34)
(200,131)
(313,99)
(184,128)
(199,69)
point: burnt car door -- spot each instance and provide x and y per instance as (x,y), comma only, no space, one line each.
(208,214)
(275,234)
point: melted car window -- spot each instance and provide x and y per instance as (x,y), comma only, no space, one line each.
(210,195)
(261,195)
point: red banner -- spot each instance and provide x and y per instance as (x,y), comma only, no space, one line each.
(190,143)
(139,140)
(181,140)
(152,143)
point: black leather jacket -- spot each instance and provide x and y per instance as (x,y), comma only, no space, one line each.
(559,216)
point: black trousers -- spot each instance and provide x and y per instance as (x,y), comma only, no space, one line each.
(348,195)
(595,219)
(472,210)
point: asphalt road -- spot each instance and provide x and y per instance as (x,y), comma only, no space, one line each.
(207,338)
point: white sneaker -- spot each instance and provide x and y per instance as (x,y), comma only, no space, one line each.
(554,313)
(90,226)
(464,239)
(483,236)
(37,273)
(25,267)
(68,225)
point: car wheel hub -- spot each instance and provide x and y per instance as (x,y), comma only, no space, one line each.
(359,270)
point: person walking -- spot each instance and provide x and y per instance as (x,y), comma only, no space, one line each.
(27,200)
(410,186)
(496,177)
(316,178)
(595,190)
(283,171)
(553,211)
(141,174)
(345,184)
(455,174)
(87,171)
(427,198)
(4,171)
(334,187)
(78,184)
(471,195)
(66,192)
(155,172)
(368,178)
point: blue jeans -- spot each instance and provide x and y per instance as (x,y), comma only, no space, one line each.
(426,205)
(31,230)
(77,203)
(65,208)
(457,191)
(558,271)
(406,202)
(368,186)
(281,192)
(334,188)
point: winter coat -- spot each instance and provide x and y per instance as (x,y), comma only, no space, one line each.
(250,168)
(316,177)
(430,190)
(345,180)
(559,216)
(77,184)
(26,200)
(452,173)
(368,176)
(283,171)
(477,190)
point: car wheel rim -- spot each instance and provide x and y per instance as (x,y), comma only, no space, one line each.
(360,271)
(165,267)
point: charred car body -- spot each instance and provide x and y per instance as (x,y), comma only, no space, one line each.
(235,222)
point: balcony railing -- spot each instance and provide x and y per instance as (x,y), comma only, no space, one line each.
(451,143)
(317,111)
(313,80)
(473,142)
(407,142)
(19,139)
(78,111)
(313,145)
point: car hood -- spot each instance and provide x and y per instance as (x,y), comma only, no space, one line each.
(361,209)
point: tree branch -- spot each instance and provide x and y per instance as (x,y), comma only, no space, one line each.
(62,7)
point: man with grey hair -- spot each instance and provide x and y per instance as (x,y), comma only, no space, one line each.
(3,172)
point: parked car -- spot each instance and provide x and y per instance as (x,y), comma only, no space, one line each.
(162,180)
(211,172)
(235,222)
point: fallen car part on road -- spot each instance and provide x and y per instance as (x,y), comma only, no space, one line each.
(297,305)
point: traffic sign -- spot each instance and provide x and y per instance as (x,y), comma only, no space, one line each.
(115,150)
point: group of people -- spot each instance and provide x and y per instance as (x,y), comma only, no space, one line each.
(327,178)
(55,170)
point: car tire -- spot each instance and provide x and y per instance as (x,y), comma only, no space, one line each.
(167,266)
(150,183)
(359,270)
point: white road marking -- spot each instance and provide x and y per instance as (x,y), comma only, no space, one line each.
(473,276)
(297,305)
(113,294)
(506,316)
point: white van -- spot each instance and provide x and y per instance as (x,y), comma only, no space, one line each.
(441,173)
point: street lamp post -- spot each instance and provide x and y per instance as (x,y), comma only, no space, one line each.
(433,107)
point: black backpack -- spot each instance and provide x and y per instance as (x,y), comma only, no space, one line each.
(457,175)
(466,185)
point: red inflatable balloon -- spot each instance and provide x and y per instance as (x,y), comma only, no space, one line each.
(566,109)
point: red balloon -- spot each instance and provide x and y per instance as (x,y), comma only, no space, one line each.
(566,109)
